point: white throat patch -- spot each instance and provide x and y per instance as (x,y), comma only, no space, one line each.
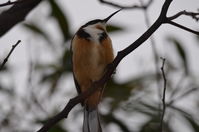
(93,32)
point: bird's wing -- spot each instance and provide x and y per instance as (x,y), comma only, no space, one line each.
(75,80)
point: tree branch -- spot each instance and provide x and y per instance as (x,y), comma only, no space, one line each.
(194,15)
(96,85)
(183,27)
(72,102)
(9,3)
(163,96)
(127,7)
(16,14)
(6,59)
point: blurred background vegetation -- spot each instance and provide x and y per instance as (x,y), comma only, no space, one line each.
(133,105)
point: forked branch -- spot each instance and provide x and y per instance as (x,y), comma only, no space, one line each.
(194,15)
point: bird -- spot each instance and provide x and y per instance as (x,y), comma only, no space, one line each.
(92,51)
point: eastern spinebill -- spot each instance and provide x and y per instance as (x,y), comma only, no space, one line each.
(91,53)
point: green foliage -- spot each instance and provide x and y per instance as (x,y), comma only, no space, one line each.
(114,28)
(183,94)
(63,67)
(110,118)
(61,19)
(6,90)
(188,118)
(119,92)
(38,31)
(57,128)
(181,51)
(153,125)
(193,123)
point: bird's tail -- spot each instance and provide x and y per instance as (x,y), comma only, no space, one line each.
(91,120)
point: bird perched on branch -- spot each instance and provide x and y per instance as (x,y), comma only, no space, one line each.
(91,53)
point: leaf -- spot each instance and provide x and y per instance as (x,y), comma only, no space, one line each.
(58,14)
(197,37)
(147,107)
(188,117)
(184,94)
(57,70)
(8,91)
(37,30)
(150,107)
(66,61)
(193,123)
(109,118)
(57,128)
(179,110)
(181,52)
(113,28)
(53,79)
(153,125)
(121,92)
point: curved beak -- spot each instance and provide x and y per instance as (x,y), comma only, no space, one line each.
(106,19)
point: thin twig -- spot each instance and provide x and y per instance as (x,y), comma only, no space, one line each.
(127,7)
(194,15)
(10,3)
(6,59)
(164,94)
(183,27)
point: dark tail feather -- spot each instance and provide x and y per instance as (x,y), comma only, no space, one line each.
(91,121)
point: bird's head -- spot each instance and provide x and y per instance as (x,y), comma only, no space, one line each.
(99,23)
